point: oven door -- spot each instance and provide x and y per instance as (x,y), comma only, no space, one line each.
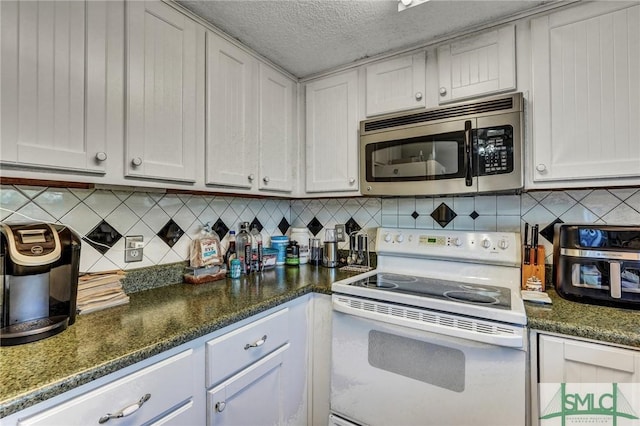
(384,374)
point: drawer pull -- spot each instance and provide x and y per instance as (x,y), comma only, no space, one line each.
(126,411)
(220,406)
(256,344)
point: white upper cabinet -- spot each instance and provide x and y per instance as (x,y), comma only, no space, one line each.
(232,110)
(53,82)
(164,51)
(275,131)
(482,64)
(396,84)
(586,92)
(332,133)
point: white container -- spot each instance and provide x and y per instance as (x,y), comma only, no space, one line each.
(301,236)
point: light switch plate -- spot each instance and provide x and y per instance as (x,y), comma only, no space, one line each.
(133,245)
(340,233)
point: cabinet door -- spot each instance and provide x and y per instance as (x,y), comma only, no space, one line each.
(162,108)
(396,84)
(332,133)
(275,131)
(252,397)
(141,397)
(53,65)
(478,65)
(572,361)
(231,114)
(586,92)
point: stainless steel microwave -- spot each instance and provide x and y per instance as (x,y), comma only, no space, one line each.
(466,148)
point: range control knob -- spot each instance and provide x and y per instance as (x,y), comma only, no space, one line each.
(457,242)
(399,238)
(387,237)
(486,243)
(503,244)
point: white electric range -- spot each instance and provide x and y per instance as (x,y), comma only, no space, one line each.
(435,335)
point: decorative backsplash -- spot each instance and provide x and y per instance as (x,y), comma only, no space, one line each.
(169,222)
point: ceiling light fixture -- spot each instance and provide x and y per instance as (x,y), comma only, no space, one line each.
(406,4)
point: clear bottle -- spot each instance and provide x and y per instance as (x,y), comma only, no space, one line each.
(256,238)
(231,251)
(243,247)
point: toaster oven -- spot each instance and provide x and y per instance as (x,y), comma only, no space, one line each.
(598,264)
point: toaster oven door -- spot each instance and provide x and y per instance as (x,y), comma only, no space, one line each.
(606,281)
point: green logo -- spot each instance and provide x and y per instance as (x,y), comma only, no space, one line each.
(587,405)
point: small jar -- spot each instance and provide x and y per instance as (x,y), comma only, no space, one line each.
(293,254)
(235,269)
(533,284)
(280,242)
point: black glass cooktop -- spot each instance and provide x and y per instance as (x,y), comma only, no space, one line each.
(476,294)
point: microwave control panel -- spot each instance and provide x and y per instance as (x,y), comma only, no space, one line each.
(494,146)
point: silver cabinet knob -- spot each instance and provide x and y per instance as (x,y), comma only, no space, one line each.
(126,411)
(101,156)
(256,344)
(352,181)
(418,96)
(136,161)
(541,168)
(265,179)
(220,406)
(251,177)
(443,91)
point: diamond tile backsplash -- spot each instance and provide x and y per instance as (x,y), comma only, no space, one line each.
(155,215)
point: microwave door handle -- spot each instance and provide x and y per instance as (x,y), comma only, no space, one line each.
(614,280)
(468,164)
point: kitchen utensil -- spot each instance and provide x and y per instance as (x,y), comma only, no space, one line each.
(330,254)
(315,255)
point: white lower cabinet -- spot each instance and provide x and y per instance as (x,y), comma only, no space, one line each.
(557,360)
(255,396)
(251,372)
(160,394)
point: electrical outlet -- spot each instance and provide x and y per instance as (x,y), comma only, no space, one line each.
(340,233)
(133,246)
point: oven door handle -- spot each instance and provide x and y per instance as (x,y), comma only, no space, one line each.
(516,340)
(468,160)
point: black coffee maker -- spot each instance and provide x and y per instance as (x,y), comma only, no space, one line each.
(39,264)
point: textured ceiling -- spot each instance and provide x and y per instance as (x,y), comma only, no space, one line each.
(306,37)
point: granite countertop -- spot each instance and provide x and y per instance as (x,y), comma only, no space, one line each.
(154,321)
(609,325)
(162,318)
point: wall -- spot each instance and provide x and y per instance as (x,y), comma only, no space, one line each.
(148,213)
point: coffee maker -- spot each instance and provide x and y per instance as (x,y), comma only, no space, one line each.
(39,264)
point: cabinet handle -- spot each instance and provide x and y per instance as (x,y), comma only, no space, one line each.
(418,96)
(541,168)
(251,177)
(256,344)
(220,406)
(265,179)
(352,181)
(443,91)
(136,161)
(126,411)
(101,156)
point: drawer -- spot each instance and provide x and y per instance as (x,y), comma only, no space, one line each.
(168,382)
(231,352)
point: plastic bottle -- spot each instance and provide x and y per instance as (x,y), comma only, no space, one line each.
(280,243)
(301,235)
(293,254)
(231,251)
(243,247)
(256,241)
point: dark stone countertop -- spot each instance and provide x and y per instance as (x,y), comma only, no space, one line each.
(609,325)
(154,321)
